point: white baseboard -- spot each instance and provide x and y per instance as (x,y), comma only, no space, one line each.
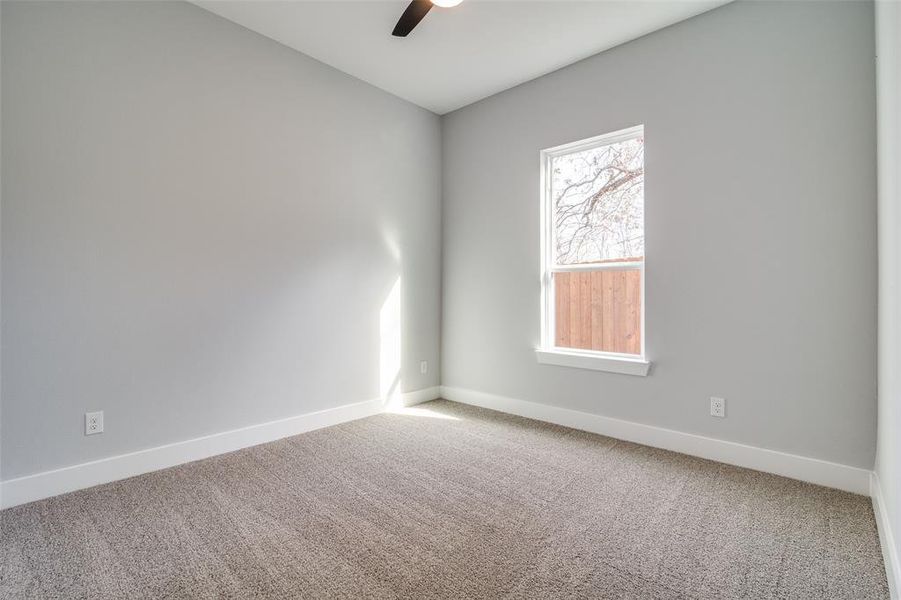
(834,475)
(887,539)
(68,479)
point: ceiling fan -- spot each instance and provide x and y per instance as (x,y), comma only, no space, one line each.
(414,13)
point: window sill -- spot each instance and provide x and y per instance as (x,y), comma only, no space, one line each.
(594,361)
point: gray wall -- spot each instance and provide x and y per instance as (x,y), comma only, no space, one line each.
(200,228)
(888,452)
(760,218)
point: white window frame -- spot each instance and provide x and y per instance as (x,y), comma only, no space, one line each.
(547,352)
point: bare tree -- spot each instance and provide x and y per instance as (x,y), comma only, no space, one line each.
(599,203)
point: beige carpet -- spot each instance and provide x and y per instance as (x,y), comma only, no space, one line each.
(448,501)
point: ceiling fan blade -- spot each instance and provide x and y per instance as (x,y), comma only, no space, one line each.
(411,17)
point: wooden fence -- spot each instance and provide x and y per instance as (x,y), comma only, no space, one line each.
(599,310)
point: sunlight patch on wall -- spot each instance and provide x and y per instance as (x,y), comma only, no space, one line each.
(390,348)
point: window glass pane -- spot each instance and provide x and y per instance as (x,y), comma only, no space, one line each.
(598,310)
(598,203)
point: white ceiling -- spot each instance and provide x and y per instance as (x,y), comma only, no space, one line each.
(456,55)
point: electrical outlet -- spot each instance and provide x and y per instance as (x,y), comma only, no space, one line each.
(424,366)
(93,423)
(717,407)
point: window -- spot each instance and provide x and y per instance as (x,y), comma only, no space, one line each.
(592,237)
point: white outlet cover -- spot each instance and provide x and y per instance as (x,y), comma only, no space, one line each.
(424,367)
(717,407)
(93,423)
